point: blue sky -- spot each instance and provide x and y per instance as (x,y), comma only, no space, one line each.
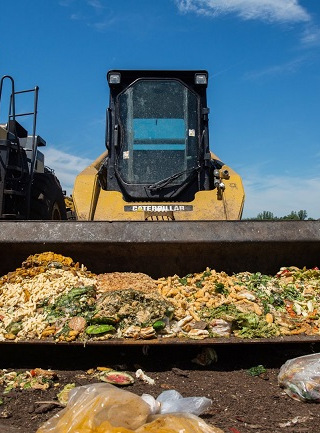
(264,86)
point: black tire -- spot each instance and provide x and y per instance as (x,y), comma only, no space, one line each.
(47,199)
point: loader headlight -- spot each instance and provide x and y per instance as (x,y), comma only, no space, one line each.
(114,77)
(201,78)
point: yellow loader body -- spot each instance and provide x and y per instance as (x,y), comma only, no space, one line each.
(92,203)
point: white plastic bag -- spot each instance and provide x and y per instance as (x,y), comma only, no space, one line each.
(300,378)
(171,401)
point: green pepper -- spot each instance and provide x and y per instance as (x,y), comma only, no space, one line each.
(99,329)
(159,325)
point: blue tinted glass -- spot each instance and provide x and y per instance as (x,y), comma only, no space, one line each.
(159,125)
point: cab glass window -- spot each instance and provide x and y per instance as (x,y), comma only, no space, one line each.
(159,131)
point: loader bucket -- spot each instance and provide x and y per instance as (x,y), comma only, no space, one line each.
(165,248)
(162,249)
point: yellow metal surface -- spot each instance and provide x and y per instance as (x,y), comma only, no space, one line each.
(93,203)
(3,133)
(86,190)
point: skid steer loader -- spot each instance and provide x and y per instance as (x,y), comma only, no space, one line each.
(28,189)
(158,164)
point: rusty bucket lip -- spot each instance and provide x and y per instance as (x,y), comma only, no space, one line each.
(170,341)
(190,246)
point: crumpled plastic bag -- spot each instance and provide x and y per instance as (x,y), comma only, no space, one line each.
(90,405)
(300,378)
(104,408)
(171,401)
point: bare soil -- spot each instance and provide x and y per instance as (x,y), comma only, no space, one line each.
(242,403)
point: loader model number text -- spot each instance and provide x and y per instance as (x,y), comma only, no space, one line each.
(159,208)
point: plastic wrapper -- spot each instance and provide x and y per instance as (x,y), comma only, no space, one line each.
(300,378)
(171,401)
(104,408)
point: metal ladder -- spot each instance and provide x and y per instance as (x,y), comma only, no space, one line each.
(16,166)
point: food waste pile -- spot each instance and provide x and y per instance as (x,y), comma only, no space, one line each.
(51,297)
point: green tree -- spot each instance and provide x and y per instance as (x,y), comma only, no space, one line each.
(300,215)
(266,215)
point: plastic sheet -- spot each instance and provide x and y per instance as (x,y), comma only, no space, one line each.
(104,408)
(171,401)
(300,378)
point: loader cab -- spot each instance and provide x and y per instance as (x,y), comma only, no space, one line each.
(157,135)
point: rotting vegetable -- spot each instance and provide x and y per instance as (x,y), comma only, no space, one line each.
(50,297)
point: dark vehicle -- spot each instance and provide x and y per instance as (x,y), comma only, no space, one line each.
(28,189)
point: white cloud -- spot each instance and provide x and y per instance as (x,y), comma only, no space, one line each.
(96,4)
(88,12)
(311,36)
(290,67)
(104,23)
(281,195)
(265,10)
(66,166)
(77,16)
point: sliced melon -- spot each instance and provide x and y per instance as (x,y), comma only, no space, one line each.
(116,378)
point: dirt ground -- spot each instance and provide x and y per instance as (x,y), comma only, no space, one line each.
(241,403)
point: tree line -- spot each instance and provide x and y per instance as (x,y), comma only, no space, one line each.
(301,215)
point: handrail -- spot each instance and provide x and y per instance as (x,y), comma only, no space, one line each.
(12,108)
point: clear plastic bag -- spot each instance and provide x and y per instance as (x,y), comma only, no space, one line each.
(104,408)
(300,378)
(171,401)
